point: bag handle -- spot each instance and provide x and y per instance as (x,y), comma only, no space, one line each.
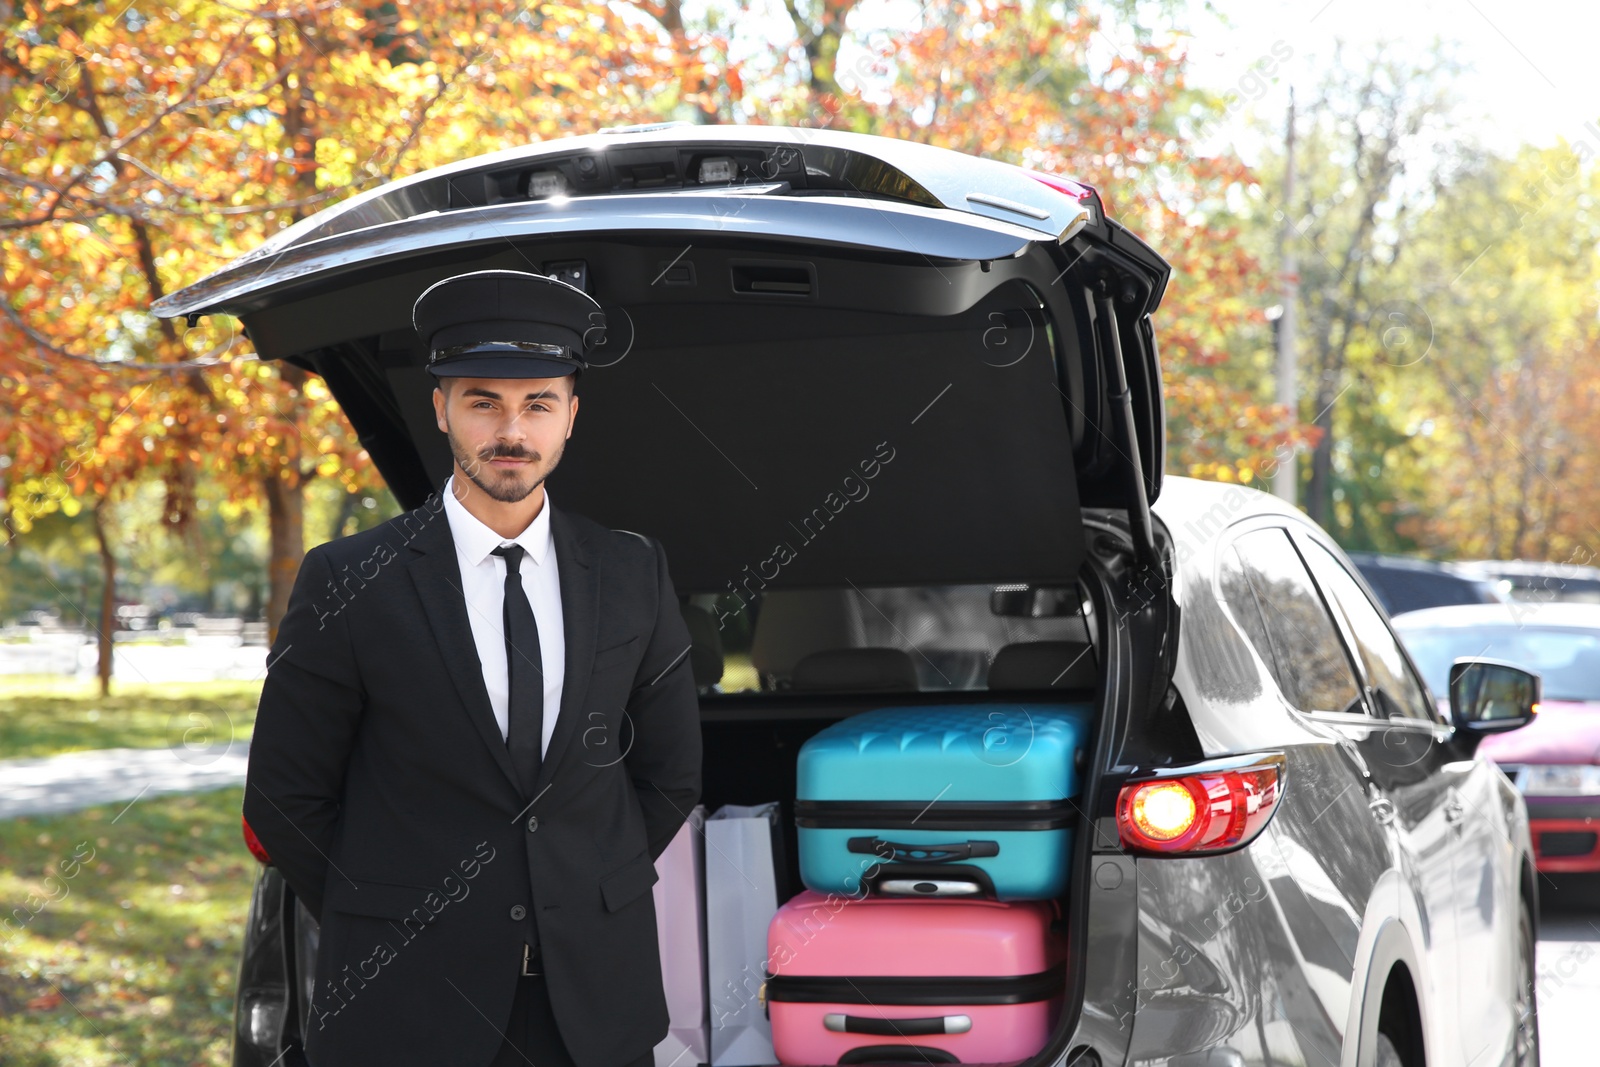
(916,853)
(921,1054)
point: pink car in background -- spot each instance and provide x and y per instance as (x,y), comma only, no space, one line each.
(1554,760)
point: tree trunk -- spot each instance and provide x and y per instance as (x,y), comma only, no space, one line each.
(1319,493)
(286,514)
(108,596)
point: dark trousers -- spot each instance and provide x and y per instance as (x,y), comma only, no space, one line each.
(531,1037)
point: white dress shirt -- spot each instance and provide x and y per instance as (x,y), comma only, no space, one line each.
(483,583)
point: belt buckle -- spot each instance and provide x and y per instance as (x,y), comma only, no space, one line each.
(527,952)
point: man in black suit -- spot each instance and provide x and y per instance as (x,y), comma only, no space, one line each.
(468,755)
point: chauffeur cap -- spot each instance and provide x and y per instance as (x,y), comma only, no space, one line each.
(505,324)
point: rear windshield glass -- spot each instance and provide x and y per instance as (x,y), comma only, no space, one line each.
(1568,660)
(855,639)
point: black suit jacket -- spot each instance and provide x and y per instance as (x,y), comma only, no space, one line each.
(381,787)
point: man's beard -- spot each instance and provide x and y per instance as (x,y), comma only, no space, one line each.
(506,488)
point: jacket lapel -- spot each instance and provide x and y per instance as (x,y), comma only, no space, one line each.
(437,577)
(580,589)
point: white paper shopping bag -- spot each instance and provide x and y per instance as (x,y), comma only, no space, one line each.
(741,899)
(681,925)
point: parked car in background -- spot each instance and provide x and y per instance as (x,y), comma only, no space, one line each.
(1404,583)
(1536,581)
(1555,761)
(941,373)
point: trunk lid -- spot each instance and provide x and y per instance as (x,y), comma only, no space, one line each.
(821,300)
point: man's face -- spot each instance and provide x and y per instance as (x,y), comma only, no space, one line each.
(507,434)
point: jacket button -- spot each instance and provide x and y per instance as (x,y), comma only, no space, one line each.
(518,912)
(533,823)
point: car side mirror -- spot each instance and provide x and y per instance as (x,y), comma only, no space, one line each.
(1490,696)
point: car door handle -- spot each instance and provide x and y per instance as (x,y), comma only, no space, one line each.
(1382,810)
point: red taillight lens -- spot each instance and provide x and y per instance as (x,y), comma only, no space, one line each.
(253,843)
(1209,811)
(1061,185)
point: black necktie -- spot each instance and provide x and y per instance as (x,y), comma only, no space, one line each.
(525,705)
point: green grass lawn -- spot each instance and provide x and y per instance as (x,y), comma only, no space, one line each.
(122,945)
(42,716)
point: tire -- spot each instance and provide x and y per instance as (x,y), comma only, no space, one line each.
(1525,1002)
(1385,1054)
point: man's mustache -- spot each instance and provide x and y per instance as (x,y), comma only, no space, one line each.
(486,454)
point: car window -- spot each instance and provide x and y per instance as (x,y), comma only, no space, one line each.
(858,638)
(1395,687)
(1312,667)
(1234,584)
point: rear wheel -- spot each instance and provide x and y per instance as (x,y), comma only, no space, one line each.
(1525,1042)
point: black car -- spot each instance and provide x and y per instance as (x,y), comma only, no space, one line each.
(1285,853)
(1404,583)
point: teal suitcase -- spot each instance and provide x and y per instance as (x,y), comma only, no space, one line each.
(942,800)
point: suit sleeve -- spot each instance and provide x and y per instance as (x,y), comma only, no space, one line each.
(664,708)
(305,726)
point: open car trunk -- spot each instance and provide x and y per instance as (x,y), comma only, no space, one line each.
(859,391)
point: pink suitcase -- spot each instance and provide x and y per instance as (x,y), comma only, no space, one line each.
(938,981)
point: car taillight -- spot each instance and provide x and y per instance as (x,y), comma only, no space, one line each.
(1201,811)
(1061,185)
(253,843)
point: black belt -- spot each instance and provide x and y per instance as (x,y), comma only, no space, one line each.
(532,965)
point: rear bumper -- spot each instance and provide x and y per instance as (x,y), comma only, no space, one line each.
(1566,834)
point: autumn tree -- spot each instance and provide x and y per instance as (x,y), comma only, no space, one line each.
(1506,267)
(1375,148)
(144,149)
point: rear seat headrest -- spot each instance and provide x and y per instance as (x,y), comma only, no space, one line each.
(873,670)
(705,648)
(1044,665)
(793,623)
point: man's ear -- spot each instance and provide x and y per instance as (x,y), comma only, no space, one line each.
(438,409)
(572,418)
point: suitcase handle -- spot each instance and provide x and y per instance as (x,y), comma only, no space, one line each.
(893,850)
(840,1023)
(918,1054)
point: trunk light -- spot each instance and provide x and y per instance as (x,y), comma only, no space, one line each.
(717,169)
(546,183)
(1208,811)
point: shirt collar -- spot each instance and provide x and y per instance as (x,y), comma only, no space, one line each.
(475,541)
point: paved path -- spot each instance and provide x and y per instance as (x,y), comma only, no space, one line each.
(1569,982)
(74,780)
(204,659)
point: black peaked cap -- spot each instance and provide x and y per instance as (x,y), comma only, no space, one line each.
(506,324)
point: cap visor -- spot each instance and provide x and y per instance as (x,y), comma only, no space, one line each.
(502,367)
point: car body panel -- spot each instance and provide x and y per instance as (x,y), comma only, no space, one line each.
(1442,876)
